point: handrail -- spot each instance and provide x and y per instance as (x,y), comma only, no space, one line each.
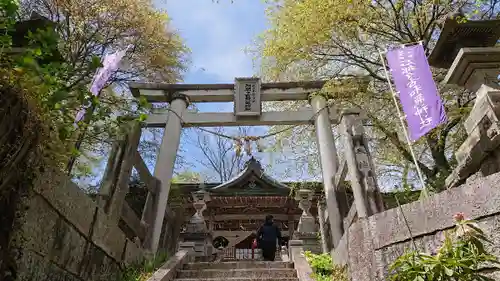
(296,253)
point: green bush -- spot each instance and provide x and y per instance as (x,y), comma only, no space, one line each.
(324,269)
(462,257)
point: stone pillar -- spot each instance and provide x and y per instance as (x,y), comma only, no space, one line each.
(291,226)
(328,159)
(166,234)
(190,248)
(295,249)
(211,223)
(367,197)
(165,164)
(176,230)
(479,152)
(322,230)
(196,229)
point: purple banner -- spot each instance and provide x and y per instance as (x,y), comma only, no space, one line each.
(417,91)
(110,64)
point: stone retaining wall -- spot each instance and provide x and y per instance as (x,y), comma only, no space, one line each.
(65,236)
(371,245)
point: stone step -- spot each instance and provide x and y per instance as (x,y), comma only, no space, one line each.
(239,279)
(251,273)
(238,265)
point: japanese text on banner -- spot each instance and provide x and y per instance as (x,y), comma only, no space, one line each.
(417,91)
(408,69)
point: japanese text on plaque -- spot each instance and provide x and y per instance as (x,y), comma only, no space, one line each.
(249,96)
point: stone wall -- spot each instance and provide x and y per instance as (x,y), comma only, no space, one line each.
(65,236)
(370,245)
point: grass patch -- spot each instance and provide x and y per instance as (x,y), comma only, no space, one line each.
(141,271)
(324,269)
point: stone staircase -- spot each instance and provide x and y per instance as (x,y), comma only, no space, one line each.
(238,271)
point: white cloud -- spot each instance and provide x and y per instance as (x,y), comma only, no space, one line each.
(216,36)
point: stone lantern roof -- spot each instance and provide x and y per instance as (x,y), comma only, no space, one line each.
(456,35)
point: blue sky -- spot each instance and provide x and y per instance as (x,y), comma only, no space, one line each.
(217,34)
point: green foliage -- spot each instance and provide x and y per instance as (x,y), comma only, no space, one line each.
(324,269)
(339,40)
(8,13)
(143,270)
(187,176)
(461,257)
(321,264)
(43,77)
(404,196)
(183,177)
(314,186)
(28,88)
(58,64)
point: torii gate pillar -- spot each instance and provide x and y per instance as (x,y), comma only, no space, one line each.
(329,164)
(164,167)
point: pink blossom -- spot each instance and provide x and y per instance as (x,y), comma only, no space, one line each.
(459,217)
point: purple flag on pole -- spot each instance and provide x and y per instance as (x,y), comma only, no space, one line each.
(417,91)
(110,64)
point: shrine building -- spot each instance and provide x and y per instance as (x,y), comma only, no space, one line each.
(226,216)
(236,209)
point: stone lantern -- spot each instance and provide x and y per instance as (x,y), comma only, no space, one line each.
(307,222)
(307,230)
(196,229)
(457,35)
(468,51)
(197,221)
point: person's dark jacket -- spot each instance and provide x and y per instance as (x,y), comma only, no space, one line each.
(268,233)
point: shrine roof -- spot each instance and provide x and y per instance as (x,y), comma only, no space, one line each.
(257,180)
(251,181)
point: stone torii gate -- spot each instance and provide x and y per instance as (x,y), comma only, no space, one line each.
(247,95)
